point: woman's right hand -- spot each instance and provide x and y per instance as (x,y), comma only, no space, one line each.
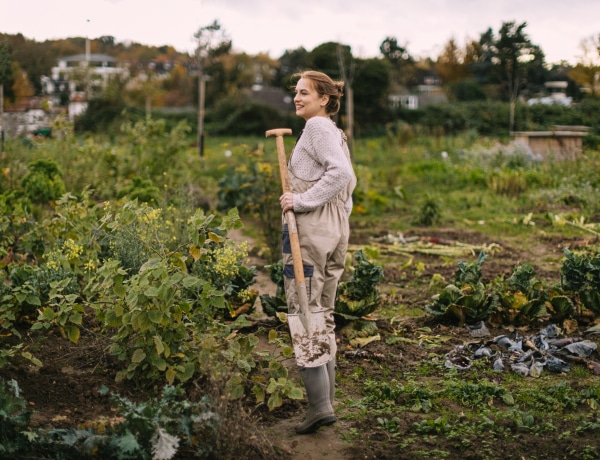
(287,202)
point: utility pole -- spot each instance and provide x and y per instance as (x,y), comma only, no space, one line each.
(210,41)
(201,99)
(1,118)
(347,72)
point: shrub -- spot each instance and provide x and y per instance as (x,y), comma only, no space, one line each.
(43,182)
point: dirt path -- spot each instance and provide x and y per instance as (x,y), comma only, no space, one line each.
(327,442)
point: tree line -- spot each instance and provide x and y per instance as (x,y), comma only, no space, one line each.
(498,66)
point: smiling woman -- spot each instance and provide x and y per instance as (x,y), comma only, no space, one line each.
(321,181)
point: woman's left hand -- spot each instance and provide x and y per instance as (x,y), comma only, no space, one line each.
(287,202)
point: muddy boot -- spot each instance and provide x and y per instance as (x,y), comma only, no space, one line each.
(331,373)
(320,413)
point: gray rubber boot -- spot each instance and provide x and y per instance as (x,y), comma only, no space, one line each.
(331,373)
(320,413)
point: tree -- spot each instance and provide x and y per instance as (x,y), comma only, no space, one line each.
(480,58)
(402,63)
(450,63)
(22,87)
(508,60)
(514,52)
(586,72)
(211,42)
(5,73)
(371,88)
(325,58)
(291,62)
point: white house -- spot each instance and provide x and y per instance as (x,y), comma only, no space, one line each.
(75,79)
(557,94)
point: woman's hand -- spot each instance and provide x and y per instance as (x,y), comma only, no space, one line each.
(287,202)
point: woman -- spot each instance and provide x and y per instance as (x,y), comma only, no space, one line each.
(321,183)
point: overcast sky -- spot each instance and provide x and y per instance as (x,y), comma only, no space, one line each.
(272,26)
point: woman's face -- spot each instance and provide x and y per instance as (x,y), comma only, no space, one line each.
(307,101)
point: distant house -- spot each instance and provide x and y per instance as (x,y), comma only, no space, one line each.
(272,96)
(75,79)
(30,116)
(556,94)
(428,93)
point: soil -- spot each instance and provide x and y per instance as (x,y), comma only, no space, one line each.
(64,392)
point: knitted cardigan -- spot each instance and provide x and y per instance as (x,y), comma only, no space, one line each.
(319,156)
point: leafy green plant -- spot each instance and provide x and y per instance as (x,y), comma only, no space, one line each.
(43,183)
(64,311)
(382,391)
(272,305)
(140,189)
(473,394)
(508,182)
(465,300)
(359,296)
(356,297)
(254,188)
(155,429)
(438,425)
(522,299)
(430,212)
(14,420)
(581,275)
(221,263)
(390,425)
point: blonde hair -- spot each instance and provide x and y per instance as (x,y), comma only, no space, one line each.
(325,86)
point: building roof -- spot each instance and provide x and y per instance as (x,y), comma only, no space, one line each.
(92,57)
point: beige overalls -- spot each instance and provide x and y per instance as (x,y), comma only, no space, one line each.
(323,235)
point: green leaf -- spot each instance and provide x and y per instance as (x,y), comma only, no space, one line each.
(235,387)
(121,375)
(170,375)
(71,298)
(138,356)
(287,351)
(152,292)
(259,393)
(272,335)
(277,370)
(508,399)
(158,362)
(128,444)
(144,322)
(155,316)
(188,372)
(160,348)
(120,290)
(28,356)
(34,300)
(296,393)
(76,318)
(245,365)
(274,401)
(214,237)
(111,319)
(72,333)
(191,281)
(282,316)
(47,314)
(272,385)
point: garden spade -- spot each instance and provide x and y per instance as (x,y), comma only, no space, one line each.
(304,313)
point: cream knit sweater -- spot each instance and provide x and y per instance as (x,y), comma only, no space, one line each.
(319,156)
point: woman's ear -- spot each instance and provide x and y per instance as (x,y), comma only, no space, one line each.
(324,100)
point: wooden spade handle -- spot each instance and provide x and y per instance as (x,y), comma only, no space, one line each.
(289,215)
